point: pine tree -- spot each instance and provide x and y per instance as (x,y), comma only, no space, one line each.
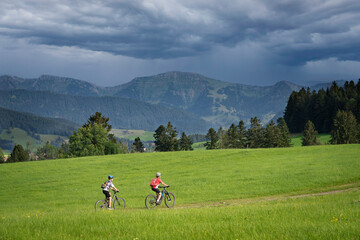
(98,118)
(345,128)
(272,135)
(232,137)
(138,146)
(172,133)
(284,140)
(212,138)
(185,143)
(162,140)
(255,134)
(310,133)
(241,135)
(18,154)
(223,139)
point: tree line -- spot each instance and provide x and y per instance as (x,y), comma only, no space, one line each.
(166,139)
(237,136)
(322,107)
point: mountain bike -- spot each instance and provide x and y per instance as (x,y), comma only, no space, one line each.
(117,203)
(150,200)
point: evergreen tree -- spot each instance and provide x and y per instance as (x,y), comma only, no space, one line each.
(1,156)
(138,146)
(255,134)
(98,118)
(185,143)
(172,133)
(272,135)
(212,138)
(233,137)
(162,140)
(223,139)
(345,128)
(310,133)
(18,154)
(284,140)
(241,135)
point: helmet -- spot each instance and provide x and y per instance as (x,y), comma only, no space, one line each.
(158,174)
(110,176)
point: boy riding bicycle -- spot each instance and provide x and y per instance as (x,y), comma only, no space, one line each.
(155,186)
(109,186)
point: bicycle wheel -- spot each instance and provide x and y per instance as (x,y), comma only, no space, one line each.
(150,201)
(170,200)
(101,205)
(118,203)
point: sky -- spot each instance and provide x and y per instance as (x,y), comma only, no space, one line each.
(255,42)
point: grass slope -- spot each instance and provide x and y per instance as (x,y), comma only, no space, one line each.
(21,137)
(54,199)
(132,134)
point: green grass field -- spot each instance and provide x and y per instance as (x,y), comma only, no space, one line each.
(323,137)
(220,194)
(21,137)
(132,134)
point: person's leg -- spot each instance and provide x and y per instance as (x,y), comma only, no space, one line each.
(109,200)
(159,196)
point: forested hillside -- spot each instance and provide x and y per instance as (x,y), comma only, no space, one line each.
(321,107)
(35,124)
(123,113)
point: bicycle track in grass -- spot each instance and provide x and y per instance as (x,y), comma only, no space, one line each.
(326,191)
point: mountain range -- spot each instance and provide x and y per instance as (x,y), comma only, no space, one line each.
(192,102)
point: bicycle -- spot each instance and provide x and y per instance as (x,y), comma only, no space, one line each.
(117,203)
(150,200)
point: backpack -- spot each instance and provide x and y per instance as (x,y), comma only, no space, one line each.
(103,185)
(153,183)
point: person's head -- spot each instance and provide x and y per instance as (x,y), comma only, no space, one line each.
(110,177)
(158,174)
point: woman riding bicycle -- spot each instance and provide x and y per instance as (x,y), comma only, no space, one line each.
(155,186)
(109,186)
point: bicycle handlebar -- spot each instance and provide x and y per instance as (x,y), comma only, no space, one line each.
(164,186)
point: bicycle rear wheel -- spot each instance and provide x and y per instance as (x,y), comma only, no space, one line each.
(150,201)
(170,200)
(119,203)
(101,205)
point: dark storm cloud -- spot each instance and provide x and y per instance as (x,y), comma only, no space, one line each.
(295,31)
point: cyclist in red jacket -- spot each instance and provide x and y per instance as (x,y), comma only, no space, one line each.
(155,185)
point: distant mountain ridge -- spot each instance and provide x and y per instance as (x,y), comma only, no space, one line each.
(218,103)
(123,113)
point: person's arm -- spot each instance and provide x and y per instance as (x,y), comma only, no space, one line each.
(113,187)
(163,183)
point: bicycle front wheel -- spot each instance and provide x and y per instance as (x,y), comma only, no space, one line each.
(170,200)
(101,205)
(150,201)
(119,203)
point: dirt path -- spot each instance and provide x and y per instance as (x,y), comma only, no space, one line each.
(343,188)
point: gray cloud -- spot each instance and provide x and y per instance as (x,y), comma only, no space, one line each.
(296,31)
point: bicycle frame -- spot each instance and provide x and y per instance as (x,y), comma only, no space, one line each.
(163,193)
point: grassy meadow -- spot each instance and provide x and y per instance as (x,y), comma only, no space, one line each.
(132,134)
(220,194)
(21,137)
